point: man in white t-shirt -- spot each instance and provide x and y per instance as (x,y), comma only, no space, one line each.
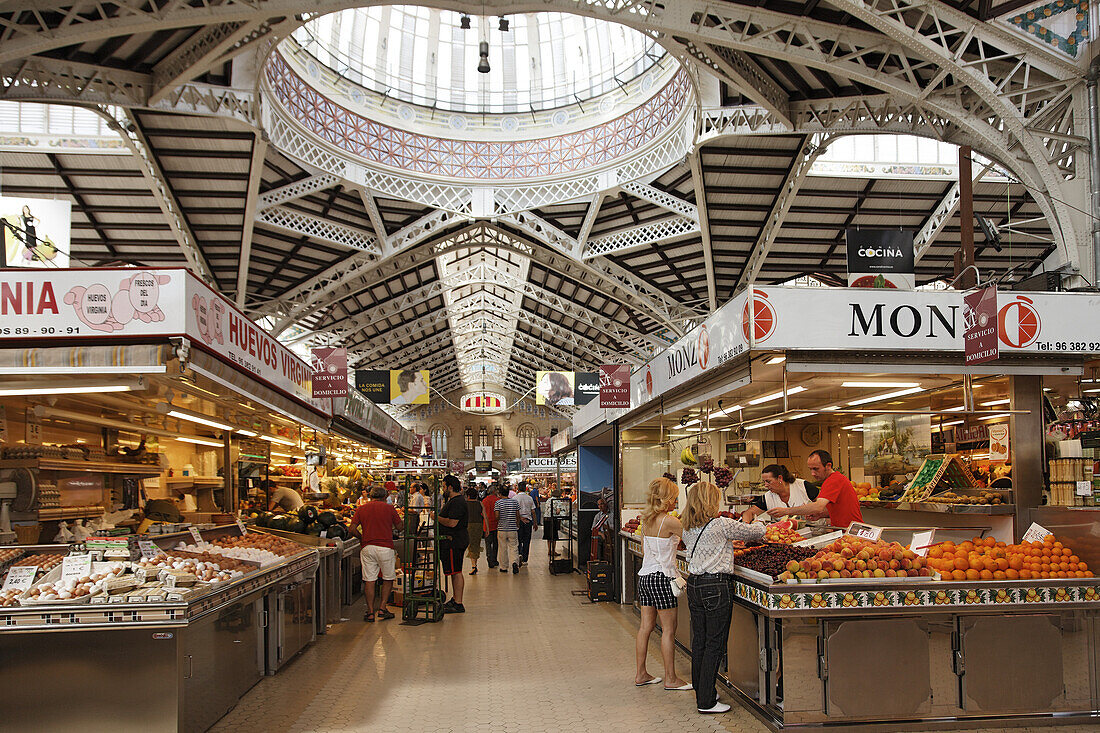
(287,499)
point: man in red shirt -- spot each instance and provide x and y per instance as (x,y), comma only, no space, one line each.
(374,523)
(837,495)
(490,528)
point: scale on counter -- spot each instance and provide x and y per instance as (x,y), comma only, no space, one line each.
(17,491)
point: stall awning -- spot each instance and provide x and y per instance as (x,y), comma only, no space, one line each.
(87,360)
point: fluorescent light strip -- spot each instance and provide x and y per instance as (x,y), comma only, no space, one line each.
(879,398)
(960,408)
(994,417)
(696,421)
(830,408)
(801,415)
(993,403)
(280,441)
(880,385)
(941,426)
(281,455)
(200,419)
(764,424)
(82,371)
(776,396)
(247,433)
(853,426)
(776,360)
(90,389)
(1089,391)
(200,441)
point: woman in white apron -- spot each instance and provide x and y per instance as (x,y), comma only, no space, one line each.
(784,490)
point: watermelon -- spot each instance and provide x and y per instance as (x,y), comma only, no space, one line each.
(280,522)
(308,514)
(264,520)
(337,531)
(314,530)
(327,519)
(297,526)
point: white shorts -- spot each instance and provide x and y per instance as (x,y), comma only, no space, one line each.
(378,560)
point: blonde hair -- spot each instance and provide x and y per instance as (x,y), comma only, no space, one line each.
(702,505)
(657,498)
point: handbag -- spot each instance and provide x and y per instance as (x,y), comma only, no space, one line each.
(679,583)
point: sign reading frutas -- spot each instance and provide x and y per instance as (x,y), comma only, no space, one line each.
(615,386)
(880,258)
(330,371)
(980,325)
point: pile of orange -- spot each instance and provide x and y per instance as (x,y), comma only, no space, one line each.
(987,559)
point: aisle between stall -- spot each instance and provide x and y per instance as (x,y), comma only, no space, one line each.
(870,379)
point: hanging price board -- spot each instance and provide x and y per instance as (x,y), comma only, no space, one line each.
(195,535)
(149,550)
(864,531)
(240,526)
(20,578)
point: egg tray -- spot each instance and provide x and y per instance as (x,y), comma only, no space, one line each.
(54,575)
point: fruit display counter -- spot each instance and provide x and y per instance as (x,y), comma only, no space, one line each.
(806,652)
(168,640)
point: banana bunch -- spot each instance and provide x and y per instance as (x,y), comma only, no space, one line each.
(687,457)
(347,470)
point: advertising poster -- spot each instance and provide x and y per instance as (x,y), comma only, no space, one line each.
(408,387)
(542,446)
(615,386)
(998,443)
(374,384)
(980,331)
(880,258)
(330,371)
(554,388)
(35,232)
(895,444)
(586,387)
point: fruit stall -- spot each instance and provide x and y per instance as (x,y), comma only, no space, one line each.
(162,633)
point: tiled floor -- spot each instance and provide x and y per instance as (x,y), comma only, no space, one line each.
(528,656)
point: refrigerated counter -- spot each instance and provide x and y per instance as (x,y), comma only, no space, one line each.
(912,654)
(153,666)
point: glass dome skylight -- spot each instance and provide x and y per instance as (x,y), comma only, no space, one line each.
(422,56)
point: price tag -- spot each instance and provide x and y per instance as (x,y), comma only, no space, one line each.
(195,534)
(1035,533)
(75,567)
(240,526)
(1084,488)
(864,531)
(922,541)
(20,578)
(149,550)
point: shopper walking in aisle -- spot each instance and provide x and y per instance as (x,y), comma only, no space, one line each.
(454,537)
(526,521)
(374,523)
(660,538)
(537,498)
(707,537)
(487,505)
(475,525)
(507,512)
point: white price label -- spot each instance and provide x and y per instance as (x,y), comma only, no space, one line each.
(195,535)
(240,526)
(922,541)
(1035,533)
(865,531)
(149,550)
(75,567)
(20,578)
(1084,488)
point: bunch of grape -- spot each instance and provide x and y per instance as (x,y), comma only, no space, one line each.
(706,465)
(688,477)
(722,477)
(772,559)
(670,476)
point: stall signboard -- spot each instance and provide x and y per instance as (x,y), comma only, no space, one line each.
(550,465)
(554,388)
(980,324)
(998,443)
(614,386)
(721,337)
(586,387)
(330,371)
(421,464)
(542,446)
(880,258)
(35,232)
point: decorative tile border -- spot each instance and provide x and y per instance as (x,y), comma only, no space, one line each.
(1052,25)
(932,597)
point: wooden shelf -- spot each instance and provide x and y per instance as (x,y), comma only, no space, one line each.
(297,479)
(212,482)
(56,464)
(53,514)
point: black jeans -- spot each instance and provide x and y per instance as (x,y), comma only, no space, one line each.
(491,548)
(525,540)
(710,602)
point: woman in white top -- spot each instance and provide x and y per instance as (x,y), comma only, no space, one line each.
(784,490)
(710,587)
(660,540)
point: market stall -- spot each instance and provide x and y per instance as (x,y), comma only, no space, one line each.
(171,638)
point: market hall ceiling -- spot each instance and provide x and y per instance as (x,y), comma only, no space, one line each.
(607,274)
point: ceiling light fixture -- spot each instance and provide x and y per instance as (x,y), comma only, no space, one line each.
(853,426)
(801,415)
(879,385)
(776,396)
(994,403)
(943,425)
(464,22)
(247,433)
(764,424)
(194,417)
(889,395)
(994,417)
(200,441)
(483,52)
(13,391)
(280,441)
(776,360)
